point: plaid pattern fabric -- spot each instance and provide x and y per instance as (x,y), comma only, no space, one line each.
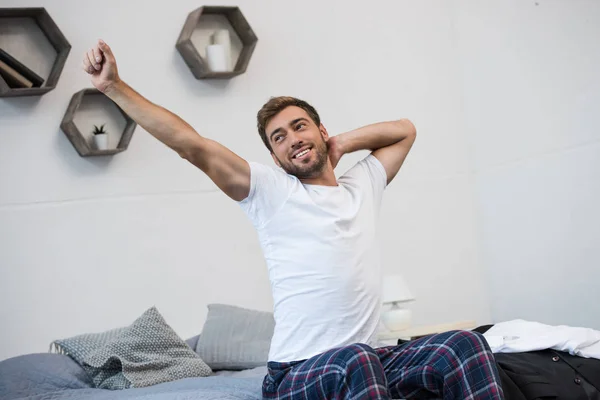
(451,365)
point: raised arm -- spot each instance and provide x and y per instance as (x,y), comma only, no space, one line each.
(390,142)
(227,170)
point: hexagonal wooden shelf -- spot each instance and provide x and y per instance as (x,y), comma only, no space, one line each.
(89,102)
(240,31)
(14,23)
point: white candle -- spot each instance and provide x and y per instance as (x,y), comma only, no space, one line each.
(221,36)
(215,55)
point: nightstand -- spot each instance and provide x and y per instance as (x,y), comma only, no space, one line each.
(415,332)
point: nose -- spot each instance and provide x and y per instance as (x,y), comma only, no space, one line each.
(296,141)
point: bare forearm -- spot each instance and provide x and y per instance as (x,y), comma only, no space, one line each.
(158,121)
(375,136)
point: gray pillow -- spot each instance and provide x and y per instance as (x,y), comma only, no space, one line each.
(41,375)
(235,338)
(192,342)
(145,353)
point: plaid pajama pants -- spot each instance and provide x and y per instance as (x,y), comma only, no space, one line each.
(451,365)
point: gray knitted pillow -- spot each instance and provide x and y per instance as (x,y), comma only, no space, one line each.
(145,353)
(235,338)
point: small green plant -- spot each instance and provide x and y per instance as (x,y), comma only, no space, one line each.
(99,131)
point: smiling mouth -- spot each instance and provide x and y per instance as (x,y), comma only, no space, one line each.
(302,154)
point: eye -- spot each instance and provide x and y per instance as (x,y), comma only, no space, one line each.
(277,138)
(300,125)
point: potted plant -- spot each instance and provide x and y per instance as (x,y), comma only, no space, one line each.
(100,137)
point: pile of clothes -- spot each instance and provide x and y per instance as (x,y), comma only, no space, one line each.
(538,361)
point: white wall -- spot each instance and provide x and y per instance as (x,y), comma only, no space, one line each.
(88,244)
(532,106)
(497,199)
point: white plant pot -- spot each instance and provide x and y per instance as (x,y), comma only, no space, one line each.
(101,141)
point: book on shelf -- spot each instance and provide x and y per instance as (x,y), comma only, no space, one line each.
(16,74)
(13,78)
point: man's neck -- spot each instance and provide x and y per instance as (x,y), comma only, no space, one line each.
(325,178)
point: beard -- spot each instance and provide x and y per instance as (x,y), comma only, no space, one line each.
(313,167)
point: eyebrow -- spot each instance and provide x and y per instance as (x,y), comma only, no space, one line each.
(294,122)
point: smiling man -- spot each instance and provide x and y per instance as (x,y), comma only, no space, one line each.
(318,235)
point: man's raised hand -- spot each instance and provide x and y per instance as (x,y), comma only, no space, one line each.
(100,63)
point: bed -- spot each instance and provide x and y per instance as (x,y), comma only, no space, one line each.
(47,376)
(148,360)
(50,376)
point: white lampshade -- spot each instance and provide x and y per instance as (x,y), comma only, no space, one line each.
(395,289)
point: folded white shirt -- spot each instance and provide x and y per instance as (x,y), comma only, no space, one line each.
(519,336)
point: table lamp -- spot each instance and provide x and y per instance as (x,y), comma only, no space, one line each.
(396,294)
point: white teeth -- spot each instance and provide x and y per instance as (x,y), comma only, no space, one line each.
(301,153)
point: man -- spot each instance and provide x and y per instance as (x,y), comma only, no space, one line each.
(318,237)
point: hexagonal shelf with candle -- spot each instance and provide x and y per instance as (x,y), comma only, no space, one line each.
(228,53)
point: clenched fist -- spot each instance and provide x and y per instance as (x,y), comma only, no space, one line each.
(100,63)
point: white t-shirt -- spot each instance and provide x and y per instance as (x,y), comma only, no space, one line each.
(322,256)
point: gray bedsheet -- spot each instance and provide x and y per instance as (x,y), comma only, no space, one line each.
(47,376)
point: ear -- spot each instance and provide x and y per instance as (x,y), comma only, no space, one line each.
(276,160)
(324,132)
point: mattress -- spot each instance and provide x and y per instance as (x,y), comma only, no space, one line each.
(47,376)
